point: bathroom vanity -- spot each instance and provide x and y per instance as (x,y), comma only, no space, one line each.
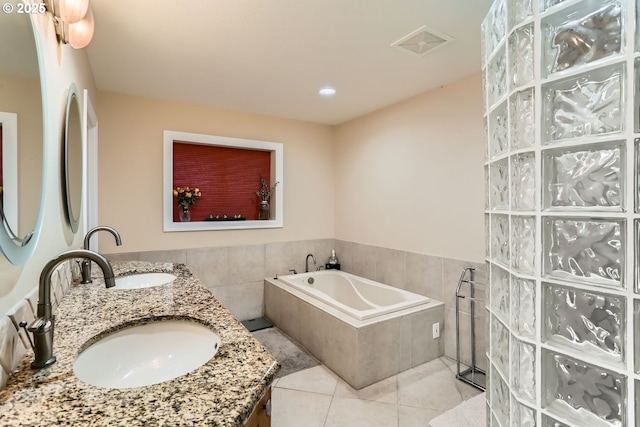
(231,389)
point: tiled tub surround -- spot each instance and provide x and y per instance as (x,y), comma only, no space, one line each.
(361,352)
(235,275)
(223,392)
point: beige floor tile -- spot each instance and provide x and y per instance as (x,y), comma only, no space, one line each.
(361,413)
(293,408)
(409,416)
(383,391)
(435,390)
(318,379)
(435,365)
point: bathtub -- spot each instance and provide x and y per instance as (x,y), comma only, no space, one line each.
(364,331)
(356,296)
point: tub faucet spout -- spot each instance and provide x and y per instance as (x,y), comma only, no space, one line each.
(85,268)
(42,327)
(306,262)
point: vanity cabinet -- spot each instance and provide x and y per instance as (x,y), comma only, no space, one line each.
(261,416)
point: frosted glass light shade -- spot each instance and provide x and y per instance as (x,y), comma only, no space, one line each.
(80,34)
(72,11)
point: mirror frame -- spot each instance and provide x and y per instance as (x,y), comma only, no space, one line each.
(19,250)
(73,221)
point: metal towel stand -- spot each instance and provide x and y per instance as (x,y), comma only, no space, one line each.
(473,375)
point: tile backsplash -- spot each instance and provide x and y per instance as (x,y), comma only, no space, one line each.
(14,343)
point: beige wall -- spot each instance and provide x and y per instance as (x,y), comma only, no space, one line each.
(62,66)
(411,176)
(130,172)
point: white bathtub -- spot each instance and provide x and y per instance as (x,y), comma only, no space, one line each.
(356,296)
(362,330)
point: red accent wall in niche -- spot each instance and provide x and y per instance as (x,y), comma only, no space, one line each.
(227,177)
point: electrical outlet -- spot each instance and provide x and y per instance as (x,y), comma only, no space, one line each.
(436,330)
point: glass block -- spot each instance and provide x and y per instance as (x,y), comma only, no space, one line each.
(487,234)
(586,32)
(636,244)
(523,182)
(588,104)
(590,176)
(500,239)
(523,306)
(636,335)
(550,422)
(499,398)
(500,346)
(521,415)
(636,95)
(498,129)
(522,121)
(521,56)
(591,323)
(500,292)
(583,392)
(497,77)
(523,369)
(486,138)
(519,11)
(523,244)
(546,4)
(636,175)
(496,25)
(588,250)
(499,197)
(486,187)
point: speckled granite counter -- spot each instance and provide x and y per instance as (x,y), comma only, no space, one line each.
(222,392)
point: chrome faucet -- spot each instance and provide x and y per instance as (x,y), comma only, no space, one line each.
(306,262)
(85,268)
(42,327)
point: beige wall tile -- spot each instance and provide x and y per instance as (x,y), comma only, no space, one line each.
(344,252)
(12,349)
(378,352)
(124,256)
(209,265)
(341,351)
(244,301)
(246,264)
(312,329)
(178,256)
(390,267)
(424,275)
(424,347)
(282,256)
(363,258)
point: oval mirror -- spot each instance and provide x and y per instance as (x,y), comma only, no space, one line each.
(21,137)
(72,160)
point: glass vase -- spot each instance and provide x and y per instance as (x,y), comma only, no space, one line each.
(264,211)
(185,215)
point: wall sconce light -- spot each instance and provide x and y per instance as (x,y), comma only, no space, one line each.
(73,21)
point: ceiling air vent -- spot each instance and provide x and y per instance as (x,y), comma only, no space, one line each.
(422,41)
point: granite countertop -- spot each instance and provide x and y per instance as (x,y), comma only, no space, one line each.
(222,392)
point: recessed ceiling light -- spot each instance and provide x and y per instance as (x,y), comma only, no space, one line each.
(327,91)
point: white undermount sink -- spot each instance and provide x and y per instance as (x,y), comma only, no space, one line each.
(143,280)
(146,354)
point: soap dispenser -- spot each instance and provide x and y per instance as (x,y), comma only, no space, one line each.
(333,263)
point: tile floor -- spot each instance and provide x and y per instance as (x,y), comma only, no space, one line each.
(317,397)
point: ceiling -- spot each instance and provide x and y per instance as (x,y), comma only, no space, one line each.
(272,56)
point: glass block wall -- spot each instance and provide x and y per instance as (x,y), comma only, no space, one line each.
(562,212)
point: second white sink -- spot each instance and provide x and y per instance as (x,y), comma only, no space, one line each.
(146,354)
(144,280)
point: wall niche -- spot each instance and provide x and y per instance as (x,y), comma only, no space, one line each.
(228,172)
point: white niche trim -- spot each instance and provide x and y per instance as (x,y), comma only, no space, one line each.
(168,201)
